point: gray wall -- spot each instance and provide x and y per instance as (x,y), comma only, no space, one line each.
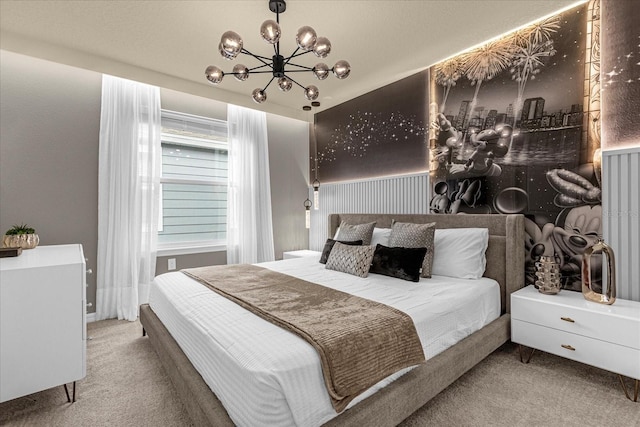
(49,130)
(49,127)
(289,167)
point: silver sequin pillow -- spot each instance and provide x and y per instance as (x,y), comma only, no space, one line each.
(410,235)
(354,260)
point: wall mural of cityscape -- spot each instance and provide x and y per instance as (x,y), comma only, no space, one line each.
(510,127)
(515,129)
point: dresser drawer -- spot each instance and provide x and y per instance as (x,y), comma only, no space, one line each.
(611,357)
(579,316)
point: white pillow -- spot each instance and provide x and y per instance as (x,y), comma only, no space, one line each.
(380,236)
(460,252)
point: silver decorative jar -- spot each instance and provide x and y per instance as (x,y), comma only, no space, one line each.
(547,275)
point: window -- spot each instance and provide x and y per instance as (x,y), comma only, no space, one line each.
(193,205)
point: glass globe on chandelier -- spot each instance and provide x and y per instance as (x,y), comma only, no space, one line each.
(280,67)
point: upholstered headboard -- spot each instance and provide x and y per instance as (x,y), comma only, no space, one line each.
(505,253)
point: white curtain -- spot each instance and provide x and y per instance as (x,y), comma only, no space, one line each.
(128,196)
(249,227)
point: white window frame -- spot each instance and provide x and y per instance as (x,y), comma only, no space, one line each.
(192,247)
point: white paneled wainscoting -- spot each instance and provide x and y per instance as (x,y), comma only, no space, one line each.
(621,216)
(407,194)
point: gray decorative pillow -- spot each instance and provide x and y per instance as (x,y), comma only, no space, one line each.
(409,235)
(354,260)
(352,233)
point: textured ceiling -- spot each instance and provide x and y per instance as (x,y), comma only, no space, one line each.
(170,43)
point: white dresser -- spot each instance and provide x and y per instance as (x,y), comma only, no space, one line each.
(567,325)
(42,320)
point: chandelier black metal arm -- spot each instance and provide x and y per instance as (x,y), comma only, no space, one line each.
(231,45)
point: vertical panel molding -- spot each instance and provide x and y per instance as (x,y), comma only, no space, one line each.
(621,216)
(406,194)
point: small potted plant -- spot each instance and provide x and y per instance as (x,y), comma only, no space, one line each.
(20,236)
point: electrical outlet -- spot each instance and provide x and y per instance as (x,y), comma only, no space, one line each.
(171,264)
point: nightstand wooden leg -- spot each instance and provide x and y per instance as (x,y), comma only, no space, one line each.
(635,391)
(530,354)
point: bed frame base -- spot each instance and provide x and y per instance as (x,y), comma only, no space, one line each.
(202,405)
(400,399)
(387,407)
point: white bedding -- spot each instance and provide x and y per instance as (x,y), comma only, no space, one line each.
(266,376)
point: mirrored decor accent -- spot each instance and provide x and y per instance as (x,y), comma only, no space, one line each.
(589,266)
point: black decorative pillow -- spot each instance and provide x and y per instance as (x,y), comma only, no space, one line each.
(354,260)
(329,245)
(351,233)
(411,235)
(403,263)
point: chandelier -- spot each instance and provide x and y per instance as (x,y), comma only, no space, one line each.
(279,66)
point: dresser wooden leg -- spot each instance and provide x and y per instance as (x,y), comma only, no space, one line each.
(528,358)
(636,389)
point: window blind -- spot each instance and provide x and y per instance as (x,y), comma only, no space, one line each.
(194,179)
(189,125)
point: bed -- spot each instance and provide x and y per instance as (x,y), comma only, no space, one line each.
(392,403)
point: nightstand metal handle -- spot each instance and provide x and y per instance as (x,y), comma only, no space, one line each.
(568,347)
(568,319)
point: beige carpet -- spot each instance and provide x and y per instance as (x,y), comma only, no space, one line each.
(126,386)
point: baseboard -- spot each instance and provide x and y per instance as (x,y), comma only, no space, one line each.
(91,317)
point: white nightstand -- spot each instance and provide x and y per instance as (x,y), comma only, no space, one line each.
(300,254)
(567,325)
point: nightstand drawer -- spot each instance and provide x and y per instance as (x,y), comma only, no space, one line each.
(611,357)
(593,320)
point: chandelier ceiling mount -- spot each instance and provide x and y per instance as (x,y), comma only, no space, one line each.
(279,66)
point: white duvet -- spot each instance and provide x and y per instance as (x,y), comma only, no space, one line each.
(266,376)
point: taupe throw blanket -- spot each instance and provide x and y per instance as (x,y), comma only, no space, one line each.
(359,341)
